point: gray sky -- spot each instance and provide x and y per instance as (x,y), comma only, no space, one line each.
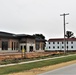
(37,16)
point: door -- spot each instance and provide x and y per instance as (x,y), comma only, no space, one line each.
(23,47)
(31,48)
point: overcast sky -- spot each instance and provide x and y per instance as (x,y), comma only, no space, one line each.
(37,16)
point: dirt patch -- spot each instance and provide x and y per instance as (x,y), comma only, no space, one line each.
(44,69)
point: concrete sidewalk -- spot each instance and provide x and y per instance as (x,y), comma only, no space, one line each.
(35,61)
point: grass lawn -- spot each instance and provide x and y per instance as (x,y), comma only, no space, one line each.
(23,67)
(9,61)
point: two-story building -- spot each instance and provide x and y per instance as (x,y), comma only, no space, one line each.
(57,44)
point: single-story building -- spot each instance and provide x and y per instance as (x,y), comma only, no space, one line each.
(10,42)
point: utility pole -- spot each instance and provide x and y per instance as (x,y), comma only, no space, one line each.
(64,31)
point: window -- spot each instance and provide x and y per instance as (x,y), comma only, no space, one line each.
(21,47)
(49,42)
(42,46)
(12,45)
(71,46)
(62,47)
(53,47)
(53,42)
(49,47)
(58,42)
(4,45)
(58,47)
(67,47)
(71,42)
(67,42)
(25,48)
(16,45)
(62,42)
(37,46)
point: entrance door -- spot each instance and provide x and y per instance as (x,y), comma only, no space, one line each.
(25,48)
(22,47)
(31,48)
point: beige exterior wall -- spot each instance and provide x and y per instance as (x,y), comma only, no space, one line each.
(10,42)
(41,45)
(30,40)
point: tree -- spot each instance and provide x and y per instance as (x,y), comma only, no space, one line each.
(39,36)
(69,34)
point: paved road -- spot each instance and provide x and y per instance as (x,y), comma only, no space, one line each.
(68,70)
(35,60)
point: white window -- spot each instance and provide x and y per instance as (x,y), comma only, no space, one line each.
(53,42)
(62,42)
(49,47)
(71,42)
(67,47)
(62,46)
(71,46)
(67,42)
(58,47)
(57,42)
(49,42)
(53,47)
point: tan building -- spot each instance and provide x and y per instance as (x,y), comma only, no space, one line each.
(17,42)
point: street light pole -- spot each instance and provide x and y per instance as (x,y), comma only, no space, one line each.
(64,31)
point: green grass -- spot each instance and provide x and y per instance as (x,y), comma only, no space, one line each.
(23,67)
(9,61)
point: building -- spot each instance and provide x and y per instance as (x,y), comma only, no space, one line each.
(57,44)
(40,44)
(10,42)
(26,42)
